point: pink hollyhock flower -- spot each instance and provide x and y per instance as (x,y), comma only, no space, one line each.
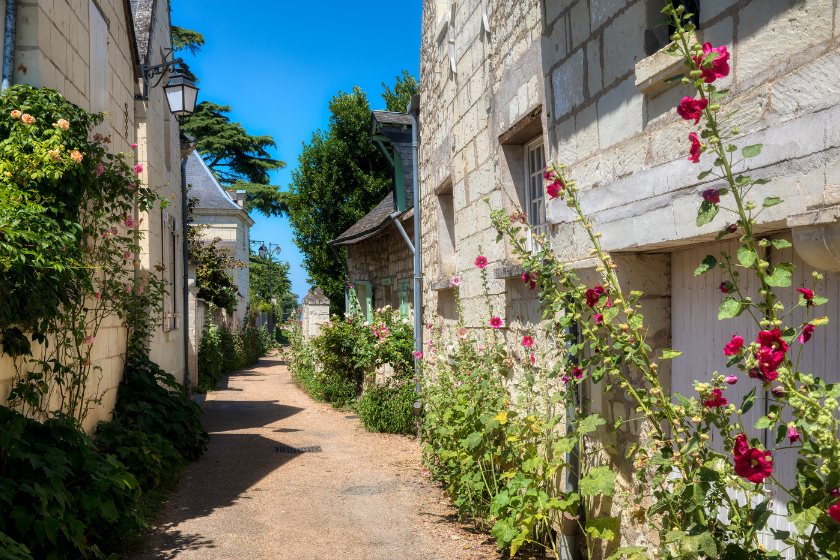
(527,341)
(593,295)
(431,343)
(720,65)
(496,322)
(696,149)
(129,222)
(578,373)
(778,392)
(549,174)
(555,188)
(481,348)
(731,379)
(726,287)
(834,512)
(138,169)
(480,261)
(717,399)
(99,169)
(772,339)
(418,355)
(99,295)
(734,347)
(712,195)
(751,463)
(566,379)
(807,331)
(599,319)
(134,145)
(457,383)
(463,333)
(89,340)
(455,281)
(692,108)
(807,294)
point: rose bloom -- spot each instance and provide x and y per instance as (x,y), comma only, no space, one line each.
(717,399)
(496,322)
(696,149)
(99,295)
(480,261)
(527,341)
(481,348)
(692,108)
(712,195)
(15,114)
(63,124)
(807,331)
(455,281)
(99,169)
(129,222)
(734,347)
(55,155)
(751,463)
(720,65)
(76,156)
(134,145)
(89,340)
(27,118)
(138,169)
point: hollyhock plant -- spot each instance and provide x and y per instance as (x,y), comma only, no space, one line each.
(807,332)
(717,399)
(696,148)
(527,341)
(734,347)
(455,281)
(751,463)
(480,261)
(690,108)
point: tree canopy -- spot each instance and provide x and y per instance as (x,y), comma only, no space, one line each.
(397,100)
(340,177)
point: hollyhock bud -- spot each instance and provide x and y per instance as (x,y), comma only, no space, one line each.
(792,434)
(807,331)
(692,108)
(731,379)
(733,228)
(696,149)
(807,294)
(712,195)
(778,392)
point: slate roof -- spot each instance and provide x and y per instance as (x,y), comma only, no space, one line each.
(141,11)
(371,224)
(386,117)
(205,187)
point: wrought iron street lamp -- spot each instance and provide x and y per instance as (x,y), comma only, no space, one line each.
(181,91)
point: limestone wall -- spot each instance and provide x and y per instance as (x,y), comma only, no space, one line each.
(315,312)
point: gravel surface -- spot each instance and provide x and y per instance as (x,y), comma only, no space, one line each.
(362,497)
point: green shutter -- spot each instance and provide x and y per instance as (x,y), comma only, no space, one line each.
(403,295)
(365,297)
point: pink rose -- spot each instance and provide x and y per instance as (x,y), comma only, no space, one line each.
(692,108)
(134,145)
(99,169)
(138,169)
(696,149)
(129,222)
(89,340)
(99,295)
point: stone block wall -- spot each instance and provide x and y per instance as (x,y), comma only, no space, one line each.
(315,312)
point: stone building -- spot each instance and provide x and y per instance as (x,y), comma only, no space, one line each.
(91,51)
(509,86)
(380,261)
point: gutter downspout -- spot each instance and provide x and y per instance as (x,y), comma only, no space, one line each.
(9,45)
(395,218)
(186,325)
(414,110)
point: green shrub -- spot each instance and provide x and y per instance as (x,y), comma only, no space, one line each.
(224,349)
(11,550)
(151,458)
(62,497)
(388,408)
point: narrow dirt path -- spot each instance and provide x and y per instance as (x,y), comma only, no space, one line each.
(362,497)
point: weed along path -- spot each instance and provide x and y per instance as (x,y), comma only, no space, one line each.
(350,495)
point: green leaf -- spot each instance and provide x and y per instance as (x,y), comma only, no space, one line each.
(564,445)
(473,440)
(706,213)
(781,432)
(752,151)
(598,374)
(781,243)
(599,481)
(818,300)
(781,278)
(632,552)
(708,59)
(771,201)
(504,533)
(749,401)
(603,528)
(746,256)
(719,94)
(676,78)
(691,445)
(729,308)
(804,519)
(670,354)
(763,423)
(708,264)
(590,424)
(704,174)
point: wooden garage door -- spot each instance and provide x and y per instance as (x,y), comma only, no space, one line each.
(697,332)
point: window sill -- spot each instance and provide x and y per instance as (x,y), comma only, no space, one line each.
(440,285)
(652,71)
(510,271)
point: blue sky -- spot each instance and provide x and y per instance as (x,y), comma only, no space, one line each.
(278,63)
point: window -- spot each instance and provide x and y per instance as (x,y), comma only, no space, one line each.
(446,230)
(535,188)
(99,87)
(387,285)
(363,294)
(169,255)
(659,29)
(402,293)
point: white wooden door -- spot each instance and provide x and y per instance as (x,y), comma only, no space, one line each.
(99,86)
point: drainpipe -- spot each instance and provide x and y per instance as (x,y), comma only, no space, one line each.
(414,111)
(395,217)
(186,322)
(9,45)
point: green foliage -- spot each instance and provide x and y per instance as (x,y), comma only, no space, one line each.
(397,100)
(388,408)
(237,158)
(226,348)
(149,457)
(213,266)
(187,39)
(279,284)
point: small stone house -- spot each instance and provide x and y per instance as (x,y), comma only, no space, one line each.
(380,261)
(507,87)
(223,214)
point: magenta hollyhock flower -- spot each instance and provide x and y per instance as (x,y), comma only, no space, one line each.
(418,355)
(99,295)
(527,341)
(598,318)
(792,434)
(533,359)
(532,285)
(733,228)
(807,331)
(772,339)
(751,463)
(834,512)
(555,188)
(726,287)
(526,276)
(807,294)
(717,399)
(495,322)
(593,295)
(578,373)
(712,195)
(720,65)
(734,347)
(731,379)
(696,149)
(455,281)
(89,340)
(480,261)
(565,379)
(768,361)
(549,174)
(692,108)
(138,169)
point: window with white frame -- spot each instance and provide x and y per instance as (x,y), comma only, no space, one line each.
(535,188)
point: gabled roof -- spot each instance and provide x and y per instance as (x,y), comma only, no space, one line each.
(205,187)
(142,13)
(373,222)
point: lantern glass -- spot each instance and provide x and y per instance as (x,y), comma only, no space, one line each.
(263,252)
(181,95)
